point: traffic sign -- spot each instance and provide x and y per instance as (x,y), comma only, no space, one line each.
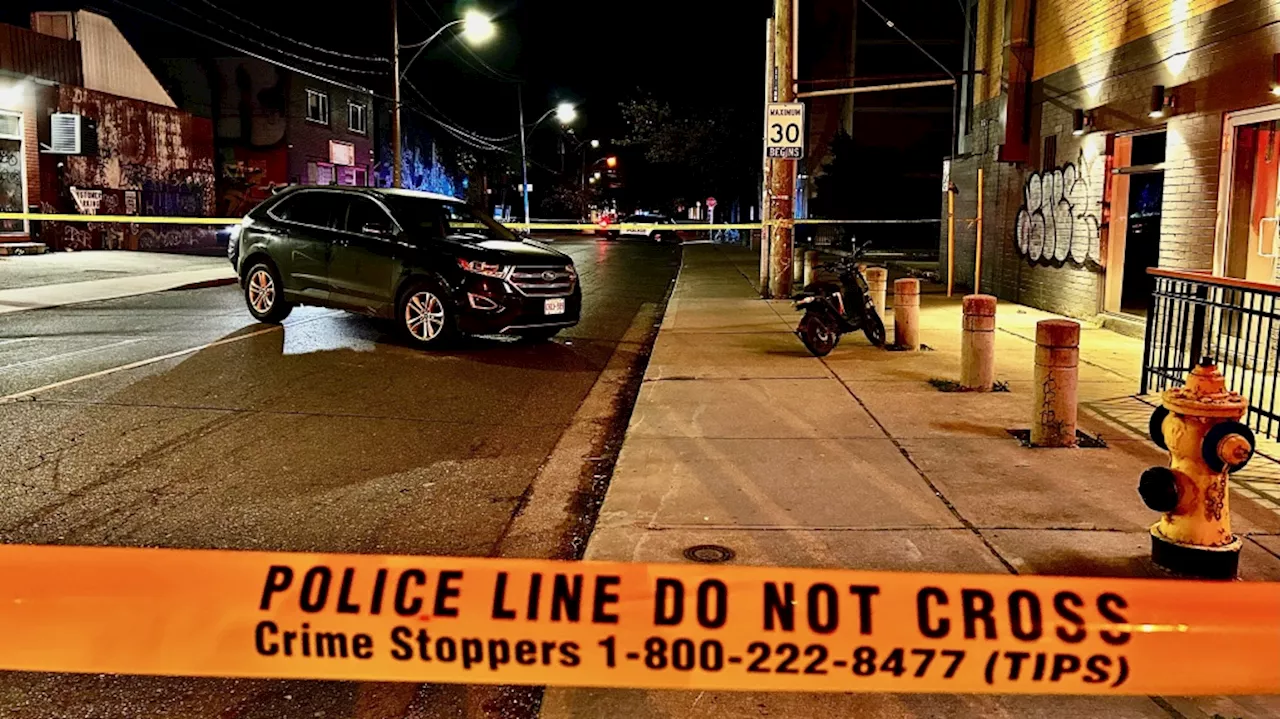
(784,130)
(711,202)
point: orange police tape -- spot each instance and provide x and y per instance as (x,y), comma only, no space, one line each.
(439,619)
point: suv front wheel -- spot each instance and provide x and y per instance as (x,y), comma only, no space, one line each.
(262,292)
(425,316)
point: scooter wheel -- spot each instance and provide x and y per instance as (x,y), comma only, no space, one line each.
(873,328)
(818,336)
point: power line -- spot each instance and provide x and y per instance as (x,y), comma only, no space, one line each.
(249,53)
(309,46)
(421,94)
(320,63)
(459,133)
(909,39)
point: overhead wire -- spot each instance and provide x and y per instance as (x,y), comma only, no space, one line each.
(456,132)
(309,46)
(432,105)
(909,39)
(296,56)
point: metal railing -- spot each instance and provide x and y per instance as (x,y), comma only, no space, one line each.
(1234,322)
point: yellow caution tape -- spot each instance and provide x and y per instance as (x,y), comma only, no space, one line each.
(558,226)
(469,620)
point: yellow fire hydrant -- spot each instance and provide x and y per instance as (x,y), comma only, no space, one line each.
(1199,424)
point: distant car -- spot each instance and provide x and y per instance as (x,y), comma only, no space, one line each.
(657,234)
(427,261)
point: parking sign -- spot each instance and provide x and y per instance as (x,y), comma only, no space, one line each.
(784,130)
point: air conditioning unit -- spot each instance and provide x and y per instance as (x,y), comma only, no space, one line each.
(72,134)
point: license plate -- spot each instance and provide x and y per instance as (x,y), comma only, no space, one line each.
(554,307)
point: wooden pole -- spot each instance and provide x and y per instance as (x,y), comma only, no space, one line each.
(951,241)
(977,255)
(783,180)
(765,187)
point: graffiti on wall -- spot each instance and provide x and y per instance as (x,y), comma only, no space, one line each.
(1058,221)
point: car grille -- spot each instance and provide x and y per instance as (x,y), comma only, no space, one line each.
(542,281)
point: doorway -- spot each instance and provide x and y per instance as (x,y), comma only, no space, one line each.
(1137,200)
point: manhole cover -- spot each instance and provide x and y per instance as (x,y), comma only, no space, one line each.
(708,554)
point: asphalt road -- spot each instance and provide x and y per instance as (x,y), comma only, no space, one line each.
(324,435)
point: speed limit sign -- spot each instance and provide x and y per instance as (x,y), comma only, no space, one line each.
(784,130)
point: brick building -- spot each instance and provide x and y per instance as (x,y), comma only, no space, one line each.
(275,127)
(86,128)
(1113,136)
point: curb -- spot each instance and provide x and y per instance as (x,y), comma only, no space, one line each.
(205,284)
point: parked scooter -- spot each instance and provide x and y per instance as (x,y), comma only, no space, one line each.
(834,309)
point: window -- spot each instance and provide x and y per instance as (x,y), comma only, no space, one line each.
(317,106)
(306,208)
(10,126)
(357,118)
(426,218)
(1049,154)
(366,217)
(319,173)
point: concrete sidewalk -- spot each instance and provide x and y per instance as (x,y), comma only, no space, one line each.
(741,438)
(64,278)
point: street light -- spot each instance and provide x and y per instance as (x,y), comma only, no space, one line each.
(595,144)
(565,113)
(477,28)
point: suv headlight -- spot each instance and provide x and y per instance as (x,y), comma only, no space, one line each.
(572,272)
(488,269)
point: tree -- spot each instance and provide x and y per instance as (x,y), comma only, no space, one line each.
(568,199)
(692,152)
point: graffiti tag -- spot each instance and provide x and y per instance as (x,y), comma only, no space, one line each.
(1058,220)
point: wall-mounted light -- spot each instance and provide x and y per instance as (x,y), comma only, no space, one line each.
(1275,74)
(1160,101)
(1081,122)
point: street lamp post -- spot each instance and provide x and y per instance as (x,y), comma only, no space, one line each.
(565,113)
(476,28)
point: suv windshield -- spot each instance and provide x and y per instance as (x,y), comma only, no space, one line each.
(431,218)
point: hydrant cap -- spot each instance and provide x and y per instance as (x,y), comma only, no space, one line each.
(1205,395)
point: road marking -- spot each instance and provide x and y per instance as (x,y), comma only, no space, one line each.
(153,360)
(66,355)
(16,339)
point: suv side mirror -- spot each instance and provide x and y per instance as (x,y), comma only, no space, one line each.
(377,231)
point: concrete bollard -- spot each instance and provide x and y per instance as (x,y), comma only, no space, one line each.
(1053,420)
(810,260)
(978,343)
(797,266)
(877,284)
(906,313)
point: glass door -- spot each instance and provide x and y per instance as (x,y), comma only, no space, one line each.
(12,187)
(1253,215)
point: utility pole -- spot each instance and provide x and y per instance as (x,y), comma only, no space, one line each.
(765,189)
(782,171)
(524,158)
(396,179)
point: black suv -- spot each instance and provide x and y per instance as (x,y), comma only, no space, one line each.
(427,261)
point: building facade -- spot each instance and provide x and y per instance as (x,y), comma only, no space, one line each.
(275,127)
(1113,136)
(85,128)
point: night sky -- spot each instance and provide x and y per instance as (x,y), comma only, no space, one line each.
(593,53)
(590,52)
